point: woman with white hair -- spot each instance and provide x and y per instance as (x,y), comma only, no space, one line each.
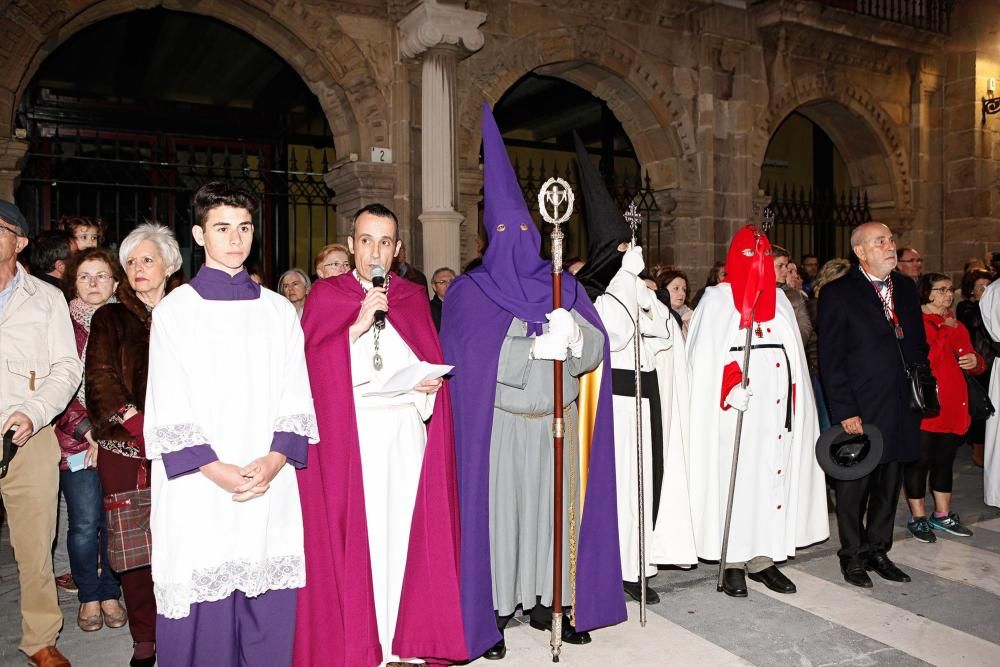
(116,367)
(295,284)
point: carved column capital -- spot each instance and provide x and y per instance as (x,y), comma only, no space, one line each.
(357,184)
(431,25)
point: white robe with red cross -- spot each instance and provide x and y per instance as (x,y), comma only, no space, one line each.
(780,498)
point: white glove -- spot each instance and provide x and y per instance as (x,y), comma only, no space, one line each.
(551,345)
(632,261)
(739,398)
(561,322)
(643,295)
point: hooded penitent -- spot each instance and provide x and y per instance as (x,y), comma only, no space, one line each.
(779,499)
(750,271)
(514,281)
(606,227)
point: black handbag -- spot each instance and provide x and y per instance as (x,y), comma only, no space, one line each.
(980,406)
(923,387)
(923,390)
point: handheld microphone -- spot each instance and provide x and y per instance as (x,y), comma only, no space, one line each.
(378,280)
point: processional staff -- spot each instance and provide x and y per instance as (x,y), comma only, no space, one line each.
(555,193)
(633,217)
(761,231)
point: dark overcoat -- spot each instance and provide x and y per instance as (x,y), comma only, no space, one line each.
(859,362)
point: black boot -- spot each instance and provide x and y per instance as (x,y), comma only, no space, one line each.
(635,592)
(734,582)
(498,651)
(541,619)
(774,579)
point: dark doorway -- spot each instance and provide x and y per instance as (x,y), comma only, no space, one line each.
(814,202)
(537,117)
(130,116)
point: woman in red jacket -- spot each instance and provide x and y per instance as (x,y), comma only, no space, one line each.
(951,354)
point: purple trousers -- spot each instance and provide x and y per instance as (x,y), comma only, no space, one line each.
(234,632)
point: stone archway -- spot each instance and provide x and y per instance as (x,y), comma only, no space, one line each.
(330,63)
(655,119)
(864,133)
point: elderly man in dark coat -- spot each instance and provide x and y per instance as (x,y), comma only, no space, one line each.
(867,320)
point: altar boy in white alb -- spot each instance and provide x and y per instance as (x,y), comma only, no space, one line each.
(228,405)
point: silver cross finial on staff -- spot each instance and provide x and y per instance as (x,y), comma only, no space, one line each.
(634,219)
(555,193)
(767,219)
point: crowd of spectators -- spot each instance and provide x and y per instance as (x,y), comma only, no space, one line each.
(93,386)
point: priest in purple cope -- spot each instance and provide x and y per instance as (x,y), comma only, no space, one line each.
(228,417)
(499,330)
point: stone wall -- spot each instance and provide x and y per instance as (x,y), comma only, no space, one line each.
(971,206)
(699,87)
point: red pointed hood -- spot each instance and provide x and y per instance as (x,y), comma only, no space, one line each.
(750,271)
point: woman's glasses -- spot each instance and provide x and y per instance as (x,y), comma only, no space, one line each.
(86,278)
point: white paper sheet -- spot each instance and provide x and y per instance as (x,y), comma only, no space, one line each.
(405,379)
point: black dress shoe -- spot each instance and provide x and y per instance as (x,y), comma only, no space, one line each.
(634,592)
(142,662)
(774,579)
(854,574)
(569,633)
(734,582)
(885,568)
(497,652)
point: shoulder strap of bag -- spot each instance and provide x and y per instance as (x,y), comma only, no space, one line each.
(899,346)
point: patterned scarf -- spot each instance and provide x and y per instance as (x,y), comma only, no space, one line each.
(81,313)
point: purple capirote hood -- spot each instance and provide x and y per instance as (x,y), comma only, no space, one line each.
(513,274)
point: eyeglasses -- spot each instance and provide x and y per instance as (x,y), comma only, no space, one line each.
(336,265)
(918,260)
(942,289)
(10,231)
(85,278)
(442,282)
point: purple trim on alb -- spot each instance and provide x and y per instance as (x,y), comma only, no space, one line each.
(295,447)
(216,285)
(188,460)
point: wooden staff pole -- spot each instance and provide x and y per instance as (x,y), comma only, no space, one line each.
(555,193)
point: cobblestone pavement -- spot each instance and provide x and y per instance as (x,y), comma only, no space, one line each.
(948,615)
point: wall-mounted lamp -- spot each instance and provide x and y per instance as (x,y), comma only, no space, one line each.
(991,105)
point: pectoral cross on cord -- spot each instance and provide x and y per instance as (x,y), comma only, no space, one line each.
(888,305)
(378,326)
(377,358)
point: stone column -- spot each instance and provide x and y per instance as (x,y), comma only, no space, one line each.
(12,156)
(439,35)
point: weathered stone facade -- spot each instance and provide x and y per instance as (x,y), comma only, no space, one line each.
(698,85)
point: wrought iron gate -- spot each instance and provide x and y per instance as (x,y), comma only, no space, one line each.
(129,178)
(807,222)
(627,188)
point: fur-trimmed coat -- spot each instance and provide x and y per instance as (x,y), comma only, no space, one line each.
(116,368)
